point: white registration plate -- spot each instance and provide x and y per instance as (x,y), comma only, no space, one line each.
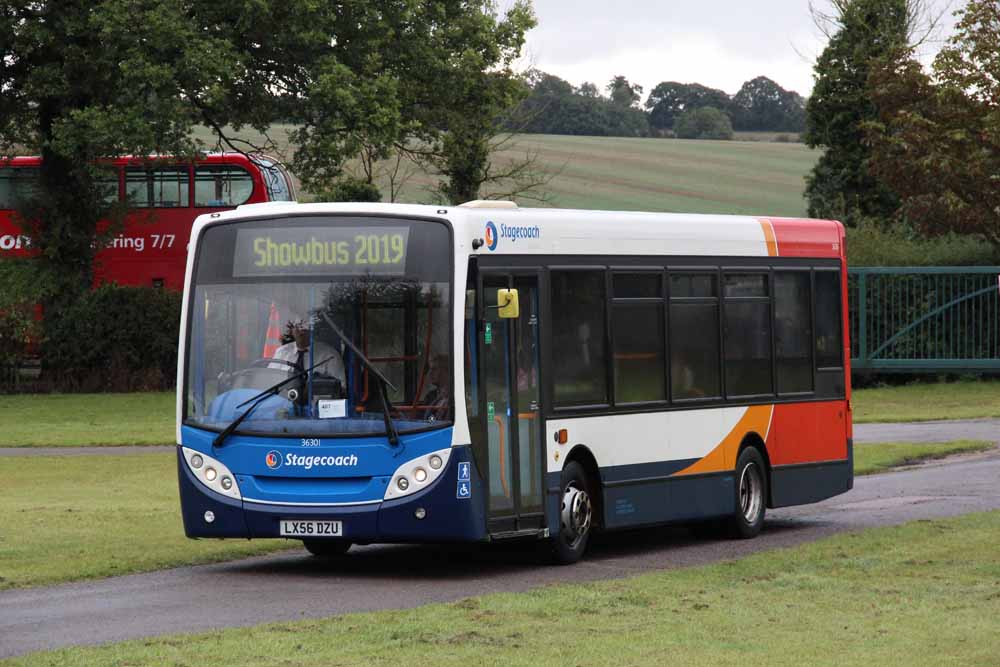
(291,528)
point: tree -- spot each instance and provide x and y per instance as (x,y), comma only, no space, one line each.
(703,123)
(763,105)
(553,106)
(669,99)
(936,140)
(623,93)
(85,80)
(840,185)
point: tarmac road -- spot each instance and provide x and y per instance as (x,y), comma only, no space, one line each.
(293,585)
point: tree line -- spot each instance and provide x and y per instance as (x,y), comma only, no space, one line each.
(688,110)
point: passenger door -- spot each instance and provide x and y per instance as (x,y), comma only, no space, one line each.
(510,404)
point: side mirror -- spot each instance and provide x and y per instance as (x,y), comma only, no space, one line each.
(508,304)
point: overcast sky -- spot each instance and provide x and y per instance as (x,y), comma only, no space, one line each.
(718,43)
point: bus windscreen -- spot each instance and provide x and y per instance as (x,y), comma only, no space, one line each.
(262,299)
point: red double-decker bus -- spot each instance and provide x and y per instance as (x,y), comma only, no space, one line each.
(165,197)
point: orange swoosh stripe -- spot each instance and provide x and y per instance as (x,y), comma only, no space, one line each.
(772,242)
(757,418)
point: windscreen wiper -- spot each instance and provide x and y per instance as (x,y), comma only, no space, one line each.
(259,398)
(383,381)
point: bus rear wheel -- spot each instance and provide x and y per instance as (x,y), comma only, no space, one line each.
(326,548)
(576,515)
(751,495)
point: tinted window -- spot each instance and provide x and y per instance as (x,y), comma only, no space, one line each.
(218,186)
(694,350)
(793,331)
(637,285)
(748,348)
(746,284)
(638,339)
(685,285)
(579,355)
(16,185)
(828,326)
(164,187)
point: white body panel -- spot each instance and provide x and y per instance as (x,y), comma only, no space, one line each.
(652,436)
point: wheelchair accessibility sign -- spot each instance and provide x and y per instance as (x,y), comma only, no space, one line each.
(464,491)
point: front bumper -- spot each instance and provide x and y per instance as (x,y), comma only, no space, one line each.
(448,518)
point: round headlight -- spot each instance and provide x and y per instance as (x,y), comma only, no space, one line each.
(403,483)
(435,461)
(209,516)
(210,474)
(226,482)
(197,461)
(420,475)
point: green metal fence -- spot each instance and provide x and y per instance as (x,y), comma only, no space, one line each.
(913,320)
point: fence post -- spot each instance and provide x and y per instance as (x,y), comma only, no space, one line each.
(862,318)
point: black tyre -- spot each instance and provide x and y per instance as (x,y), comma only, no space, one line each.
(576,515)
(327,548)
(751,495)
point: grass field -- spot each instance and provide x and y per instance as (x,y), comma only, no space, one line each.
(81,517)
(924,402)
(922,594)
(870,458)
(741,177)
(62,508)
(55,420)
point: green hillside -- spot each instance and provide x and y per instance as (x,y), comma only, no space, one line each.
(743,177)
(739,177)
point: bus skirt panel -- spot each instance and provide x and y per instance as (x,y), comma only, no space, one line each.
(800,484)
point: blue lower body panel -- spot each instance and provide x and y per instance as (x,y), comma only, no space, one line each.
(447,518)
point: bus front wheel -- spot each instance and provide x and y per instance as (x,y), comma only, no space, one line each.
(326,548)
(751,495)
(576,515)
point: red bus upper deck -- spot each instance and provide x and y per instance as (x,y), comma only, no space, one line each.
(166,196)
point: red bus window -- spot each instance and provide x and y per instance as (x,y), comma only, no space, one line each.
(162,187)
(16,185)
(218,186)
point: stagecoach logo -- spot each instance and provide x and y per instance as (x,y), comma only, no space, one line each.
(273,460)
(491,236)
(513,233)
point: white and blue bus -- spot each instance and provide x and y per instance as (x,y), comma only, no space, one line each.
(362,373)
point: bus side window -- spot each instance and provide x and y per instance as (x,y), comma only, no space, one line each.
(580,369)
(221,186)
(162,187)
(694,337)
(793,331)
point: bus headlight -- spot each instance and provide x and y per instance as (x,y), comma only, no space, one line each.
(212,473)
(417,474)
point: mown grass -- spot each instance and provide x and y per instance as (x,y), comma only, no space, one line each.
(927,401)
(870,458)
(81,517)
(636,174)
(923,593)
(57,420)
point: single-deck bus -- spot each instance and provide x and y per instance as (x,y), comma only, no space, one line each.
(359,373)
(165,197)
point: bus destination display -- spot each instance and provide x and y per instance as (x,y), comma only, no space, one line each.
(311,251)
